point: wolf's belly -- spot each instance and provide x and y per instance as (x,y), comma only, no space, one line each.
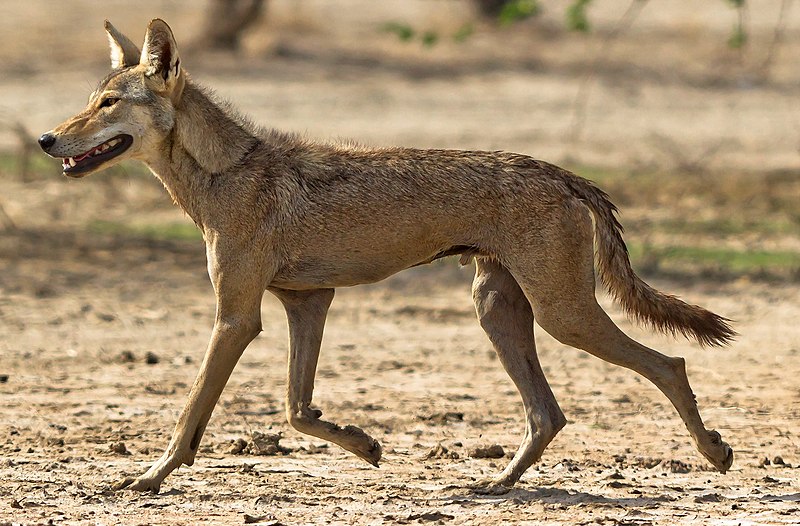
(357,268)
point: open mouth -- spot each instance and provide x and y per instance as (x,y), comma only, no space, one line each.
(97,155)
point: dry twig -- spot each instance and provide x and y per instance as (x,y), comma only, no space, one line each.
(582,96)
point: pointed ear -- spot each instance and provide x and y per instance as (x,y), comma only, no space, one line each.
(124,53)
(160,54)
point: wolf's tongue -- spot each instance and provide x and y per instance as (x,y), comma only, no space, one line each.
(84,156)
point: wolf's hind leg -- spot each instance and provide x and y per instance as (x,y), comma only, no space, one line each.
(602,338)
(560,286)
(506,316)
(306,312)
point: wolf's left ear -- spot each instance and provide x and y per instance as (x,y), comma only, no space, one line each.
(160,55)
(124,53)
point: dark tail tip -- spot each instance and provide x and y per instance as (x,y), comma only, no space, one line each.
(712,330)
(669,314)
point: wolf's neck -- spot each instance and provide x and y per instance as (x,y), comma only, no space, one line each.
(213,136)
(206,141)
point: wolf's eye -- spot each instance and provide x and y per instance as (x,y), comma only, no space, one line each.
(108,102)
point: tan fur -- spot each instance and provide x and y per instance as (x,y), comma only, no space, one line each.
(299,219)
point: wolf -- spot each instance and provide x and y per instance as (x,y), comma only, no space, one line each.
(299,218)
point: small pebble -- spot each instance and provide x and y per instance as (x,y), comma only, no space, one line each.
(237,446)
(118,448)
(493,451)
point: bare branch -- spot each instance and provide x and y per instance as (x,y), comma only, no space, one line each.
(777,39)
(582,96)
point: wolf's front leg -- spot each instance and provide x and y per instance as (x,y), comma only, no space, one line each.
(306,312)
(238,321)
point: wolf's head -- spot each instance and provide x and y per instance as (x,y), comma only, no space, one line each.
(132,110)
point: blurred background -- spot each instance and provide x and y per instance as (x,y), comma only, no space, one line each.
(687,112)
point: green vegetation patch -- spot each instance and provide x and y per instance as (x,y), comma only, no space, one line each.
(731,260)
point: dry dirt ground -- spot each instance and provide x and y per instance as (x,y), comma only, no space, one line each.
(101,333)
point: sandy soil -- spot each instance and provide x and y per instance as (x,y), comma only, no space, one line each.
(404,359)
(101,335)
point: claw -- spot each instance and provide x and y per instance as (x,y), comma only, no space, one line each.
(122,484)
(728,462)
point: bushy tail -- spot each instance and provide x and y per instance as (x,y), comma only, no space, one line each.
(663,312)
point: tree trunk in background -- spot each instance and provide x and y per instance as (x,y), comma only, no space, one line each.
(226,20)
(490,8)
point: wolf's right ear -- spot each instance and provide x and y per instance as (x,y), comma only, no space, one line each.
(160,56)
(124,53)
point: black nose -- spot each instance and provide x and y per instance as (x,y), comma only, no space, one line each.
(47,140)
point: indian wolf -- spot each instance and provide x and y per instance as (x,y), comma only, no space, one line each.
(298,218)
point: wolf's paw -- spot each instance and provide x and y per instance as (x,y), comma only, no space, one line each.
(373,453)
(142,484)
(490,486)
(719,453)
(367,447)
